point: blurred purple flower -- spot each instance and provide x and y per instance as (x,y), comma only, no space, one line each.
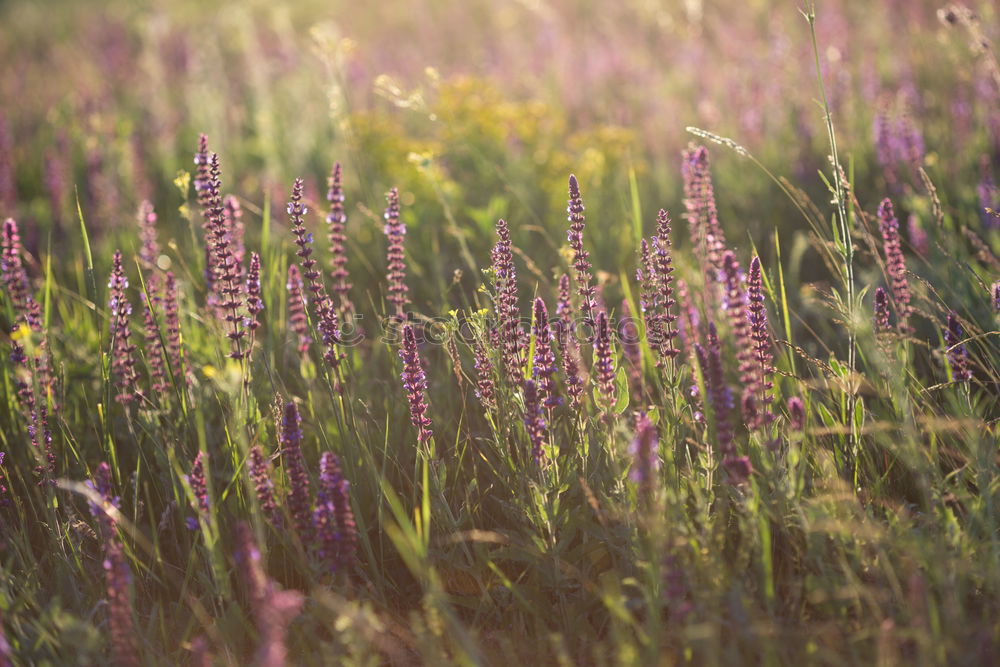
(294,464)
(958,355)
(645,461)
(333,519)
(534,420)
(297,318)
(881,310)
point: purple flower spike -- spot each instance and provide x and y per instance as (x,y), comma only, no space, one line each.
(796,413)
(324,313)
(272,609)
(645,461)
(199,483)
(485,389)
(544,368)
(255,304)
(333,519)
(297,318)
(15,278)
(958,355)
(581,257)
(569,346)
(534,421)
(701,213)
(295,468)
(881,310)
(895,265)
(122,350)
(395,233)
(721,399)
(661,265)
(260,475)
(507,311)
(996,296)
(918,236)
(415,384)
(736,309)
(604,363)
(336,221)
(226,283)
(761,367)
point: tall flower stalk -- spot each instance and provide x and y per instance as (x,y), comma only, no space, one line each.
(720,397)
(506,306)
(604,363)
(761,369)
(226,277)
(294,464)
(122,349)
(581,257)
(544,363)
(336,220)
(395,233)
(895,265)
(415,383)
(333,519)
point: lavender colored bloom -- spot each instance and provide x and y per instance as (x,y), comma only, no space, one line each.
(122,350)
(996,296)
(507,312)
(645,461)
(197,478)
(227,284)
(884,148)
(762,368)
(569,346)
(958,355)
(689,321)
(604,364)
(15,278)
(544,368)
(322,307)
(395,233)
(336,220)
(534,420)
(581,257)
(701,212)
(255,304)
(721,399)
(297,318)
(895,265)
(260,475)
(333,519)
(918,236)
(796,413)
(661,265)
(485,389)
(117,574)
(118,579)
(415,384)
(149,250)
(295,468)
(881,310)
(272,609)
